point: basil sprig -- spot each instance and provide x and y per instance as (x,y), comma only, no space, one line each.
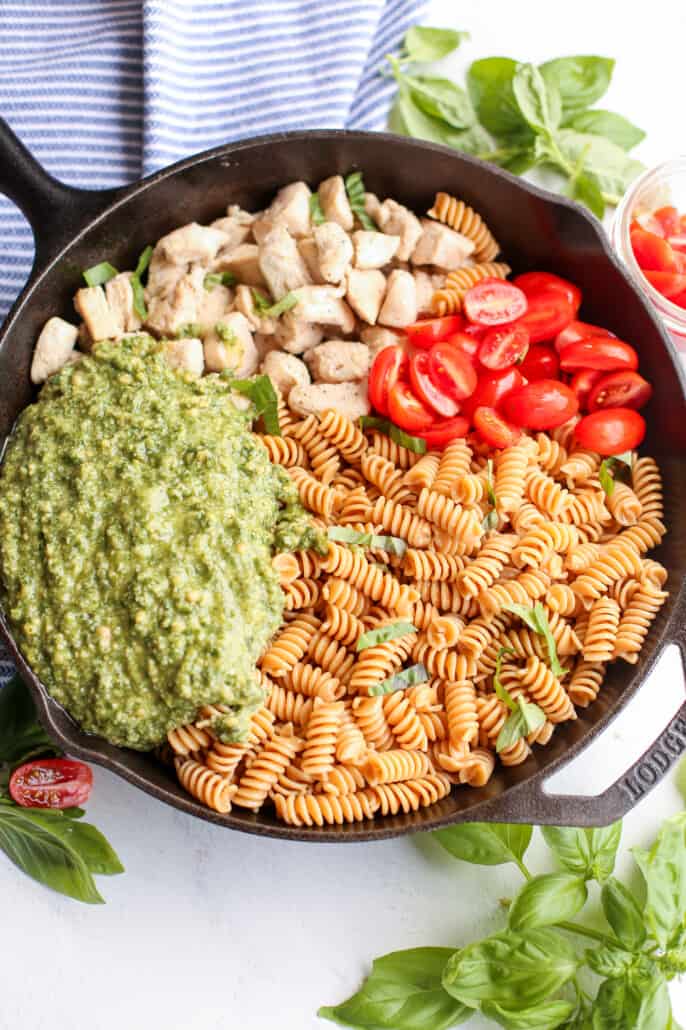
(398,435)
(98,275)
(527,975)
(263,305)
(354,187)
(401,680)
(537,620)
(50,845)
(382,634)
(262,394)
(346,535)
(616,467)
(519,115)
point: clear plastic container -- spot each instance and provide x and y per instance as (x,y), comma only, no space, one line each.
(664,184)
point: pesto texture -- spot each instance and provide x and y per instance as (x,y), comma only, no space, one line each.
(138,519)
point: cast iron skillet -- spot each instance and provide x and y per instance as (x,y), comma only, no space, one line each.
(74,229)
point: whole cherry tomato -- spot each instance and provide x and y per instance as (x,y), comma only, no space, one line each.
(540,405)
(491,388)
(51,783)
(494,302)
(389,365)
(427,331)
(536,282)
(620,390)
(611,430)
(578,331)
(503,347)
(600,352)
(540,362)
(652,252)
(549,312)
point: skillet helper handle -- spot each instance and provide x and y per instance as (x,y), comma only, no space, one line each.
(544,809)
(54,210)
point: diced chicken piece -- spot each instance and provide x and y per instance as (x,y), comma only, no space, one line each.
(324,305)
(346,398)
(374,249)
(295,334)
(231,346)
(186,355)
(236,232)
(310,255)
(192,242)
(424,286)
(365,293)
(441,246)
(376,338)
(168,314)
(54,348)
(101,322)
(285,371)
(163,276)
(338,361)
(334,202)
(399,307)
(396,220)
(291,208)
(264,344)
(213,305)
(334,251)
(244,263)
(372,205)
(245,304)
(120,299)
(261,227)
(281,264)
(236,212)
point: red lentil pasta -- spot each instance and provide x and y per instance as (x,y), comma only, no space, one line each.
(342,736)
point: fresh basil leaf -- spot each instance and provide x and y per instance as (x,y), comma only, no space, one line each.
(263,396)
(139,305)
(73,813)
(611,126)
(589,853)
(502,691)
(538,100)
(398,435)
(604,842)
(391,544)
(403,992)
(546,1016)
(396,122)
(664,872)
(401,680)
(655,1009)
(609,962)
(143,262)
(605,477)
(44,855)
(213,279)
(486,843)
(476,141)
(98,275)
(346,535)
(537,620)
(526,718)
(616,1005)
(83,838)
(614,468)
(607,163)
(420,125)
(580,81)
(546,900)
(190,329)
(441,98)
(586,191)
(317,216)
(515,970)
(21,735)
(391,631)
(424,44)
(489,82)
(354,187)
(518,160)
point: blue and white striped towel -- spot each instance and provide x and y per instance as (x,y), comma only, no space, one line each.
(104,91)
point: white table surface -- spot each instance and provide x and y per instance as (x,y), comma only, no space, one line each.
(209,929)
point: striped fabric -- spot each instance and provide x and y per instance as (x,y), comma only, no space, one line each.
(103,91)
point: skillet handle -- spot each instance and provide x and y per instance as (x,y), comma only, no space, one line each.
(540,808)
(54,210)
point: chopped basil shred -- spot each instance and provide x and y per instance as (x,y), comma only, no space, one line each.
(490,520)
(98,275)
(143,262)
(614,468)
(263,397)
(139,305)
(317,216)
(213,279)
(537,620)
(384,633)
(354,187)
(524,717)
(406,678)
(398,435)
(346,535)
(264,307)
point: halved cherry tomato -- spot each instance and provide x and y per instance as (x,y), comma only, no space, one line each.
(669,284)
(494,302)
(678,243)
(503,347)
(578,331)
(620,390)
(477,331)
(468,343)
(406,410)
(598,352)
(491,389)
(536,282)
(388,366)
(493,429)
(428,331)
(426,389)
(51,783)
(541,405)
(541,362)
(648,223)
(668,217)
(549,312)
(451,370)
(583,382)
(611,430)
(652,252)
(438,436)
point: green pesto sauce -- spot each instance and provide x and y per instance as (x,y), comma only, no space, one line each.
(138,519)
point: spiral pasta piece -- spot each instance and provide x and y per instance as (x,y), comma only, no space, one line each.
(320,739)
(444,630)
(446,597)
(551,455)
(282,450)
(455,463)
(410,795)
(463,219)
(432,566)
(614,561)
(461,711)
(351,747)
(482,573)
(342,625)
(291,781)
(645,534)
(343,779)
(562,599)
(636,620)
(422,475)
(262,775)
(603,621)
(331,656)
(546,494)
(289,646)
(315,496)
(342,432)
(528,586)
(207,786)
(401,521)
(369,579)
(444,663)
(401,456)
(394,766)
(311,681)
(586,680)
(323,455)
(289,706)
(580,465)
(368,713)
(326,809)
(510,475)
(343,595)
(386,477)
(647,484)
(188,739)
(375,664)
(404,722)
(624,505)
(225,758)
(461,523)
(582,557)
(478,769)
(303,593)
(546,690)
(285,564)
